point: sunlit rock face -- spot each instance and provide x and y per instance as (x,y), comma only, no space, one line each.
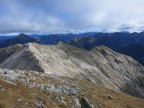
(100,65)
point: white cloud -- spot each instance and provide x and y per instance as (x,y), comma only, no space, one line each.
(56,16)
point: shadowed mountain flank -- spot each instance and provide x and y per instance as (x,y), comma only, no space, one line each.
(6,52)
(22,59)
(137,83)
(100,65)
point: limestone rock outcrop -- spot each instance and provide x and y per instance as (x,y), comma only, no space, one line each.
(100,65)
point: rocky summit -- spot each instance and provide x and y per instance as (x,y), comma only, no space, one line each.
(53,76)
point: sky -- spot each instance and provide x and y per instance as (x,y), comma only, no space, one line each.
(62,16)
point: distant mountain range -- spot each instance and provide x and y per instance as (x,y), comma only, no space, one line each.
(50,39)
(115,41)
(4,38)
(131,44)
(20,39)
(135,50)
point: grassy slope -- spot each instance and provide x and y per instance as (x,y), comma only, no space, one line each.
(20,96)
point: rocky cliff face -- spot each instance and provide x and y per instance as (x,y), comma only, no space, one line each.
(100,65)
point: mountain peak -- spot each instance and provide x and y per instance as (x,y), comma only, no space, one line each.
(20,39)
(22,35)
(101,65)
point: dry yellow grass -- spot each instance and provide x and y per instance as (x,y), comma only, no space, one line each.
(109,98)
(20,96)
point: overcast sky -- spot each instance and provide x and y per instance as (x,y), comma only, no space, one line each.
(60,16)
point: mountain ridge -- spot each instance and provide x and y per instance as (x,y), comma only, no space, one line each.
(100,65)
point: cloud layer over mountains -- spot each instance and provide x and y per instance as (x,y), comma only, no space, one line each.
(58,16)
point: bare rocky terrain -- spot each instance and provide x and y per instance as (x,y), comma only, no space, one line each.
(31,89)
(70,77)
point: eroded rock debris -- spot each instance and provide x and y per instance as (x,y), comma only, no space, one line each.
(64,76)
